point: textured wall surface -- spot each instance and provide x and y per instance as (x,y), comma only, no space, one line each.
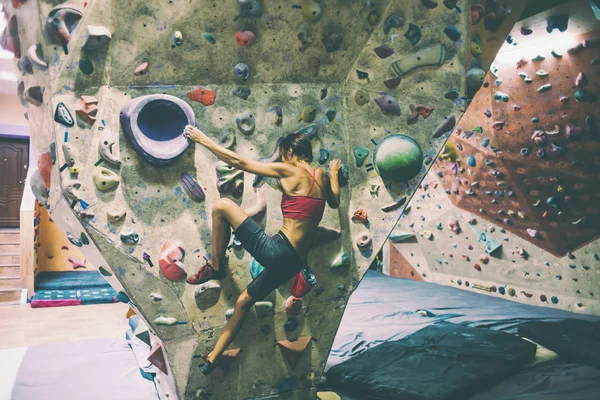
(561,266)
(290,66)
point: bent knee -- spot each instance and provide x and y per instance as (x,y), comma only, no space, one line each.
(222,205)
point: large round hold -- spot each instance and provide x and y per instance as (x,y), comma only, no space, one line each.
(398,158)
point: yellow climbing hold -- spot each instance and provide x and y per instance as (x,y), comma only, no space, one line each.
(311,11)
(105,179)
(475,49)
(328,396)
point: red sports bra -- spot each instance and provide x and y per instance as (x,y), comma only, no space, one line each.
(304,208)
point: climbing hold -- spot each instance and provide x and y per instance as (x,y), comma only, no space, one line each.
(246,123)
(87,109)
(398,236)
(202,95)
(38,188)
(323,156)
(581,80)
(373,17)
(391,83)
(177,38)
(475,77)
(34,96)
(392,21)
(554,300)
(533,233)
(398,158)
(36,57)
(413,35)
(383,51)
(341,260)
(259,206)
(263,309)
(451,94)
(573,131)
(332,38)
(104,179)
(250,8)
(242,93)
(430,4)
(431,56)
(311,11)
(360,154)
(61,22)
(452,32)
(308,114)
(471,161)
(207,294)
(331,114)
(498,125)
(314,64)
(69,152)
(277,117)
(245,38)
(115,216)
(191,187)
(165,321)
(106,145)
(293,305)
(485,142)
(96,38)
(520,64)
(446,126)
(512,292)
(454,225)
(229,179)
(122,297)
(63,116)
(535,120)
(541,73)
(343,175)
(84,239)
(210,38)
(475,49)
(538,58)
(526,31)
(388,104)
(560,22)
(130,238)
(141,69)
(170,260)
(417,110)
(229,313)
(364,240)
(86,66)
(360,215)
(76,242)
(501,96)
(361,98)
(591,125)
(241,72)
(70,189)
(104,272)
(583,96)
(77,264)
(362,74)
(292,351)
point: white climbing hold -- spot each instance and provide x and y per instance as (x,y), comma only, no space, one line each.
(165,321)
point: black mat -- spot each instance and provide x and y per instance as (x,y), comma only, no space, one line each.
(440,362)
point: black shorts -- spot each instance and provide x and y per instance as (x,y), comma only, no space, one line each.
(275,253)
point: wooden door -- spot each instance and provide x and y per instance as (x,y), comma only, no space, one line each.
(14,160)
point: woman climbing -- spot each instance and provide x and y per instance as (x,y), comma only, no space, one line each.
(305,191)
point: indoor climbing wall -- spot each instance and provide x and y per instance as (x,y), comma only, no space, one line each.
(511,205)
(109,87)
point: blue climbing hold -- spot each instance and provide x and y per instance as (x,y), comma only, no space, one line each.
(122,297)
(471,161)
(323,156)
(554,300)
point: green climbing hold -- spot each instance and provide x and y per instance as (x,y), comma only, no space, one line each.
(86,66)
(546,87)
(535,120)
(498,82)
(361,98)
(583,96)
(591,125)
(398,158)
(528,80)
(478,129)
(542,73)
(538,58)
(104,272)
(342,260)
(84,239)
(512,292)
(555,54)
(373,17)
(331,115)
(362,74)
(308,114)
(122,297)
(501,96)
(210,38)
(360,155)
(323,156)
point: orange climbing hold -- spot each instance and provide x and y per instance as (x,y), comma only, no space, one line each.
(360,215)
(203,95)
(292,351)
(245,38)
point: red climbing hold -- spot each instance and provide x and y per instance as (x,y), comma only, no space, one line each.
(245,38)
(203,95)
(170,260)
(478,267)
(292,351)
(157,358)
(521,63)
(417,110)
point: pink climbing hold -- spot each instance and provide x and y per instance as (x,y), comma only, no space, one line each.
(245,38)
(539,137)
(157,358)
(533,233)
(170,260)
(484,258)
(141,69)
(77,263)
(521,63)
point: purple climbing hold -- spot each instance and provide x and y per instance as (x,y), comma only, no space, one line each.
(191,187)
(446,126)
(392,83)
(430,4)
(388,104)
(383,51)
(392,21)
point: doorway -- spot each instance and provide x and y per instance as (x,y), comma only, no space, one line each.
(14,162)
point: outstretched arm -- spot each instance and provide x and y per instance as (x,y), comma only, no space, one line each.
(333,187)
(274,170)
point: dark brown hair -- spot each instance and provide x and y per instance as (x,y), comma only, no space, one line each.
(298,144)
